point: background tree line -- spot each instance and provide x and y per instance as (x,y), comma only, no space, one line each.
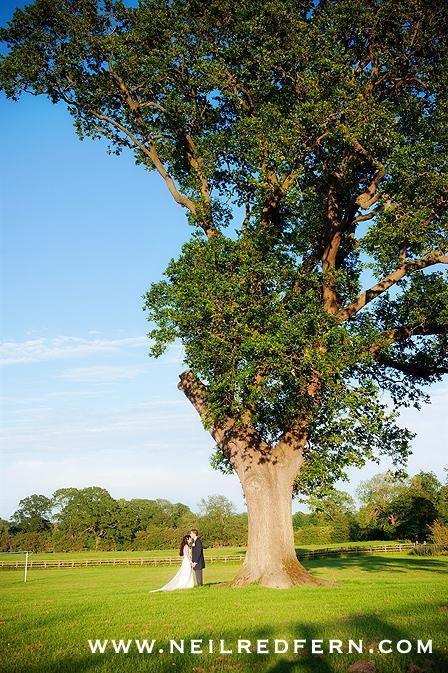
(414,509)
(91,519)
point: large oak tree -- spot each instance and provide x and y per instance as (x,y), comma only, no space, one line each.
(306,142)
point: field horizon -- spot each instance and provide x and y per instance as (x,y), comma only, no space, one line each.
(208,551)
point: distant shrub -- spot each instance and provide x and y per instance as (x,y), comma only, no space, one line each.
(429,550)
(313,535)
(6,542)
(439,532)
(340,532)
(63,542)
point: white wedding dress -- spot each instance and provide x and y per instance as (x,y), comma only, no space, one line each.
(183,579)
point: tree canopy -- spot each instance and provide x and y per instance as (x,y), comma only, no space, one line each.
(75,519)
(33,513)
(402,508)
(307,143)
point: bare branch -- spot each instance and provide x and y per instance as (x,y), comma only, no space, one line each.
(294,439)
(148,148)
(296,435)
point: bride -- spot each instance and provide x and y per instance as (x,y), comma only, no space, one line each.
(183,579)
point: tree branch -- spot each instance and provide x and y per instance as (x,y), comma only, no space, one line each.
(398,334)
(412,369)
(332,242)
(292,440)
(434,257)
(149,149)
(192,159)
(240,441)
(369,196)
(367,216)
(196,164)
(151,152)
(296,435)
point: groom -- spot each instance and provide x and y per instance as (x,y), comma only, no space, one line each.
(197,556)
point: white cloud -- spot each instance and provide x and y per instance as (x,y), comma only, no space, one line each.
(100,374)
(124,476)
(45,348)
(134,439)
(149,427)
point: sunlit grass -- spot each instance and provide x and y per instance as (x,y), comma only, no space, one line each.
(47,622)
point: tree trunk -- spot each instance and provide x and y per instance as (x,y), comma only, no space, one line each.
(267,474)
(271,557)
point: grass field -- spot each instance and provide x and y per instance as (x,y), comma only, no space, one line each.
(46,623)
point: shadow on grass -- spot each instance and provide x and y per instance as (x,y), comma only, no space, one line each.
(372,563)
(370,627)
(371,630)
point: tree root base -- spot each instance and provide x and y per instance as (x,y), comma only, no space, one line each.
(290,573)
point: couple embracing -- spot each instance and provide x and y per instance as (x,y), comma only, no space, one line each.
(192,560)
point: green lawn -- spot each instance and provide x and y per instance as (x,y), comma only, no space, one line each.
(47,622)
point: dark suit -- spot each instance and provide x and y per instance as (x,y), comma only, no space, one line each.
(197,556)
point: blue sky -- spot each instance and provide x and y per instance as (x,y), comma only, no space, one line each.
(83,236)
